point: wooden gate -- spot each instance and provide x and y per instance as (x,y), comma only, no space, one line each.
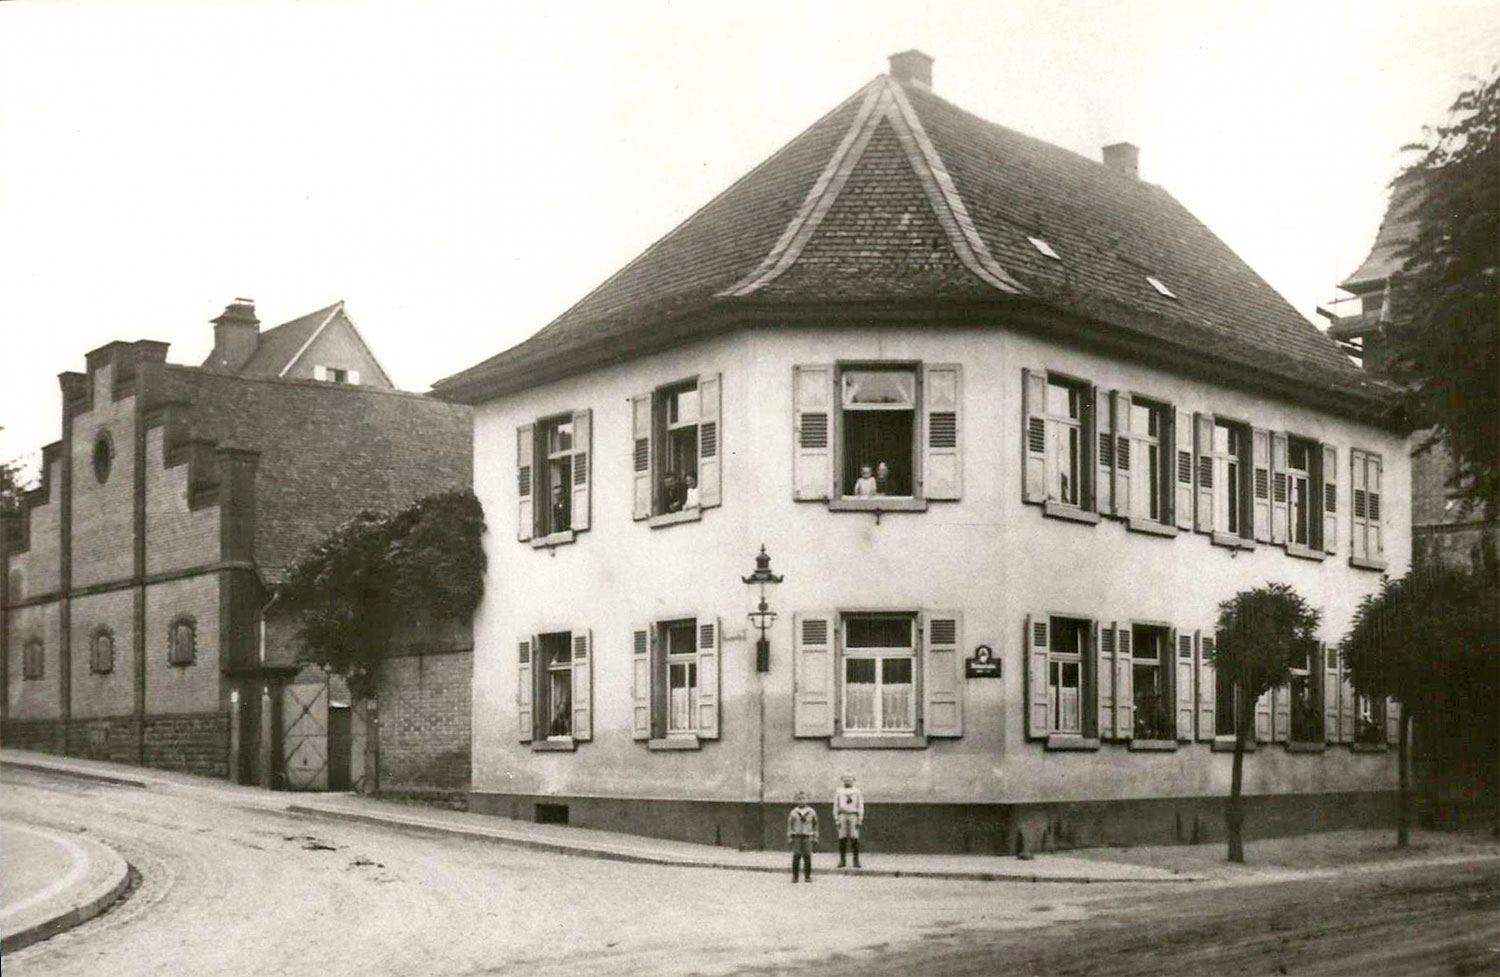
(305,740)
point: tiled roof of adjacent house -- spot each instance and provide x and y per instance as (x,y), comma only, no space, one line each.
(1399,227)
(278,346)
(898,196)
(327,451)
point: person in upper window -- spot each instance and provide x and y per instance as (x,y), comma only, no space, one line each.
(865,486)
(673,495)
(560,519)
(690,492)
(560,719)
(882,479)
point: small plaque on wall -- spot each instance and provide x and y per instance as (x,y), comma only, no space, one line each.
(984,664)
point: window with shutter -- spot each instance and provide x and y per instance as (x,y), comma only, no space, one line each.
(1208,687)
(878,675)
(677,450)
(1183,495)
(1329,472)
(1303,712)
(525,482)
(1143,461)
(1124,682)
(1366,546)
(553,677)
(525,690)
(583,686)
(1104,683)
(640,683)
(812,411)
(1261,487)
(1152,669)
(1279,488)
(708,679)
(1304,518)
(1182,685)
(942,671)
(813,674)
(1067,674)
(1330,693)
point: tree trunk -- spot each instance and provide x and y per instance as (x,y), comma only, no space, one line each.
(1235,816)
(1403,795)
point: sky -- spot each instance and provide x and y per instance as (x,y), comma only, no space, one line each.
(459,173)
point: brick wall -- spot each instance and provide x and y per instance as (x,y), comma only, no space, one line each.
(41,563)
(111,693)
(115,738)
(41,735)
(103,513)
(192,688)
(176,536)
(425,722)
(191,743)
(35,698)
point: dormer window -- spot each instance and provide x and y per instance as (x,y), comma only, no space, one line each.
(1161,287)
(333,374)
(1044,248)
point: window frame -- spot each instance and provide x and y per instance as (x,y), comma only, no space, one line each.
(535,461)
(651,681)
(842,368)
(1039,471)
(1313,730)
(651,449)
(1365,465)
(101,637)
(1233,471)
(911,653)
(1043,708)
(1165,664)
(543,472)
(175,657)
(1164,470)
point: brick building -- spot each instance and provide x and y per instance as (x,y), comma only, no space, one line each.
(1011,423)
(137,616)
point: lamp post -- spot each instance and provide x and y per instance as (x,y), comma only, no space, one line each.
(762,617)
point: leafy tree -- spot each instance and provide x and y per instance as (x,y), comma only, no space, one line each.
(1445,337)
(1429,640)
(1262,634)
(359,584)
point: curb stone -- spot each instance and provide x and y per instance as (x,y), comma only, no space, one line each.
(94,903)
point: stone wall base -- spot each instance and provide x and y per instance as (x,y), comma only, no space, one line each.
(993,829)
(194,743)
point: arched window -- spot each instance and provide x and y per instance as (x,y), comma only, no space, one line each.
(182,641)
(104,456)
(34,660)
(102,651)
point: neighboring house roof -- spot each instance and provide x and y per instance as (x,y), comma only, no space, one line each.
(278,349)
(1398,228)
(327,451)
(898,197)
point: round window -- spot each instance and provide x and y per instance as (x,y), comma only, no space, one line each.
(104,456)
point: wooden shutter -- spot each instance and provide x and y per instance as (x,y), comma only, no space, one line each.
(812,432)
(525,481)
(1279,488)
(583,425)
(583,684)
(641,460)
(1104,456)
(1125,504)
(1124,685)
(1203,490)
(710,446)
(1088,451)
(813,698)
(1182,469)
(524,688)
(1208,689)
(1330,686)
(641,677)
(1038,719)
(354,377)
(1260,491)
(1330,475)
(1348,716)
(1262,717)
(1281,718)
(1392,722)
(708,678)
(1183,682)
(942,400)
(1034,435)
(1104,682)
(942,673)
(1374,544)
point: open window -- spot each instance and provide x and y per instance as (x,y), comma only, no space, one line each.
(676,450)
(1304,694)
(1059,437)
(1065,700)
(1224,489)
(554,689)
(1151,683)
(552,477)
(877,435)
(675,682)
(878,679)
(1135,460)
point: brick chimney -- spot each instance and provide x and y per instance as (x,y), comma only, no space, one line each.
(1124,158)
(912,66)
(236,334)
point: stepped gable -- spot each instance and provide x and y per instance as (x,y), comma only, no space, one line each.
(899,196)
(325,450)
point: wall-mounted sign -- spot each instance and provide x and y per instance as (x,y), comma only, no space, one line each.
(984,664)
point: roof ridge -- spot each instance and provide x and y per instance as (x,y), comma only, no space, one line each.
(333,310)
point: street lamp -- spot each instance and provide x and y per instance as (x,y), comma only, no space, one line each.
(762,617)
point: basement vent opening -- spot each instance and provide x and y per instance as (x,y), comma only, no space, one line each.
(552,814)
(1044,248)
(1161,286)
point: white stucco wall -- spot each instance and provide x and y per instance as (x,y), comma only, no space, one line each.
(990,556)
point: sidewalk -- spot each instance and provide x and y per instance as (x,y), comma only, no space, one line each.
(585,842)
(53,881)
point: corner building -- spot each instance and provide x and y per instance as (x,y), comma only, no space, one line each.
(1095,424)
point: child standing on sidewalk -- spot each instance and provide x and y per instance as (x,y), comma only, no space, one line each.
(848,815)
(802,835)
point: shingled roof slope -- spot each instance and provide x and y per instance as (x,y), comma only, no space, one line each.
(1398,228)
(899,195)
(276,347)
(327,451)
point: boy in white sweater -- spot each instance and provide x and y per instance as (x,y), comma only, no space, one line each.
(848,815)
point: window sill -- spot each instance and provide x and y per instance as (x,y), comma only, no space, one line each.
(1056,510)
(1306,747)
(553,539)
(913,742)
(1068,743)
(554,744)
(688,741)
(1367,747)
(1367,563)
(877,505)
(1232,542)
(1153,746)
(1147,526)
(1303,553)
(673,518)
(1225,744)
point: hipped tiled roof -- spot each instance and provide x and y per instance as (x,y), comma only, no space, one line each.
(898,196)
